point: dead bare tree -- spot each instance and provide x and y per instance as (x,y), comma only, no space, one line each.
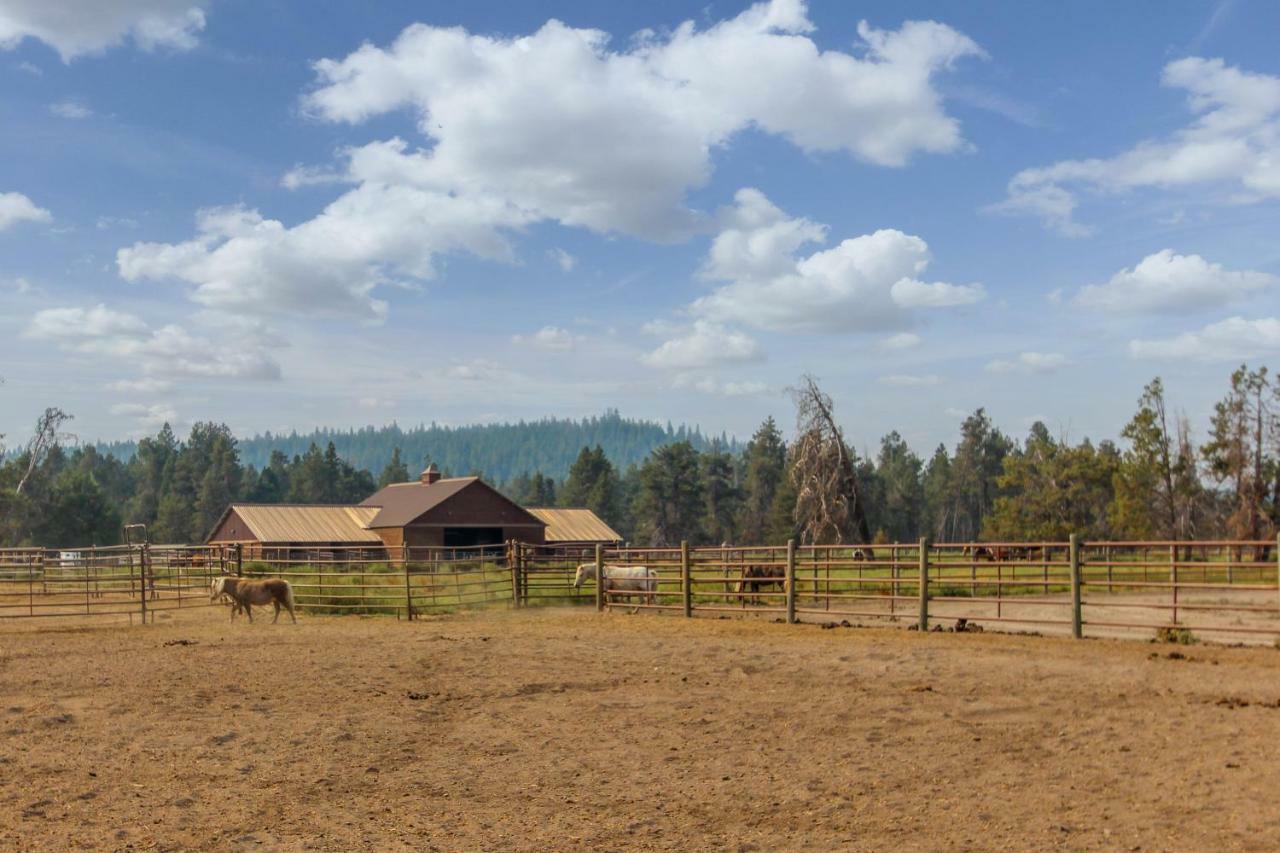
(829,508)
(46,437)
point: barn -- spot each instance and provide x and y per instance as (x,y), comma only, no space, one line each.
(452,512)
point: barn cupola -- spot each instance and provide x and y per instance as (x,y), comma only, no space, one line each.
(429,474)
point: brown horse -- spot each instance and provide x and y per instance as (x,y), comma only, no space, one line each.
(755,578)
(246,593)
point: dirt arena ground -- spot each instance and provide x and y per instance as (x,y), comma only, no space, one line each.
(564,729)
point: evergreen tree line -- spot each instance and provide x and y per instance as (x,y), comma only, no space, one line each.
(501,451)
(1157,483)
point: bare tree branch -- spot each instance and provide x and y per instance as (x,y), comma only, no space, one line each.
(46,437)
(829,507)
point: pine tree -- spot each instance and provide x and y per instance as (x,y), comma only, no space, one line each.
(592,483)
(395,472)
(765,470)
(669,507)
(722,495)
(901,504)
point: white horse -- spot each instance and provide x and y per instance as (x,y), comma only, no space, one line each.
(627,580)
(245,593)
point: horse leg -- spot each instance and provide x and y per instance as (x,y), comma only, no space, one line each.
(275,618)
(248,610)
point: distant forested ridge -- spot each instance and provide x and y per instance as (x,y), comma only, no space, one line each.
(661,486)
(498,451)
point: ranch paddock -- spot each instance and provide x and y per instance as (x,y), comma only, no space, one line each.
(562,728)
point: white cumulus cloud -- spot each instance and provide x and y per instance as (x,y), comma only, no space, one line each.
(1234,142)
(327,266)
(167,351)
(16,207)
(1029,362)
(1169,283)
(70,109)
(554,126)
(547,338)
(563,259)
(146,385)
(77,27)
(558,122)
(714,387)
(152,416)
(908,380)
(704,344)
(1228,340)
(900,341)
(866,283)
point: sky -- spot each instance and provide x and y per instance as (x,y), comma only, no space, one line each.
(283,215)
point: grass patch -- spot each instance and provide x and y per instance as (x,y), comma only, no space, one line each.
(1177,635)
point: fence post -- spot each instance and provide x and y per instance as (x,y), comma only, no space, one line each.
(1173,579)
(1278,568)
(1077,621)
(408,589)
(599,577)
(513,566)
(791,581)
(923,585)
(142,578)
(239,560)
(686,588)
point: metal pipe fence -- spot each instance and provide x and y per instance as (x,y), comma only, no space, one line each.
(1219,590)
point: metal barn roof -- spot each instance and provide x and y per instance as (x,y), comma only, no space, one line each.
(400,504)
(308,523)
(574,525)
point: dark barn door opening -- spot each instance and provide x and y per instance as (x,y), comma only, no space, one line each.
(465,537)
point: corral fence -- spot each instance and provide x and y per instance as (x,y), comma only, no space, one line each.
(135,581)
(1220,590)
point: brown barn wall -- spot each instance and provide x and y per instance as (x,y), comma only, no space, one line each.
(232,529)
(392,537)
(529,535)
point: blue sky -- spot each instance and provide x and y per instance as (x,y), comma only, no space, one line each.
(285,215)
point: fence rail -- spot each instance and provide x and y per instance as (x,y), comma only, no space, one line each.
(1222,590)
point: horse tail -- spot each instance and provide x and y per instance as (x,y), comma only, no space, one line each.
(288,594)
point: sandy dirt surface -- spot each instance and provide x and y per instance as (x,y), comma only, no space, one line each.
(564,729)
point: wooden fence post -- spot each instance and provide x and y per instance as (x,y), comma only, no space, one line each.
(142,577)
(239,560)
(1278,568)
(686,587)
(408,589)
(791,581)
(923,585)
(1173,579)
(600,597)
(513,565)
(1077,621)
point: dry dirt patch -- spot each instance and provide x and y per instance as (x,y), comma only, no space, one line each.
(566,729)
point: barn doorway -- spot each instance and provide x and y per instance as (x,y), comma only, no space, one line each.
(467,537)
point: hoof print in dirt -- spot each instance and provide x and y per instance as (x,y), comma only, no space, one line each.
(418,697)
